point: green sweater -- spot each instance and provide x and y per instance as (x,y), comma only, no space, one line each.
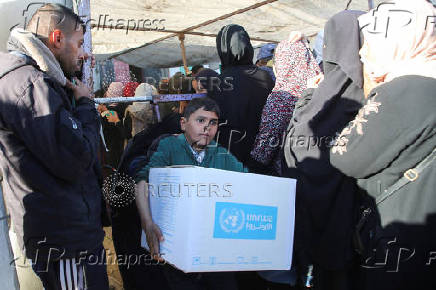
(175,150)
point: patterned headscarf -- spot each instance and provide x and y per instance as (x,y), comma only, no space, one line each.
(129,89)
(114,90)
(294,65)
(400,39)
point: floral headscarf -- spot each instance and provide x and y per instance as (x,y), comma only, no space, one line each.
(114,90)
(294,65)
(129,89)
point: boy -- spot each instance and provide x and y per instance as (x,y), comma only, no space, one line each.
(194,147)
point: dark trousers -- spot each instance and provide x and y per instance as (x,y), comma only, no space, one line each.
(137,274)
(86,272)
(179,280)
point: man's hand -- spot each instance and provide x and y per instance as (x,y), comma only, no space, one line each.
(154,237)
(102,108)
(112,117)
(295,36)
(79,89)
(152,232)
(314,82)
(91,56)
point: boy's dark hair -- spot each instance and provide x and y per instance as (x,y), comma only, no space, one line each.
(204,103)
(54,16)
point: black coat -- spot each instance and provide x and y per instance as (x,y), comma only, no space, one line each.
(394,132)
(49,162)
(242,95)
(326,199)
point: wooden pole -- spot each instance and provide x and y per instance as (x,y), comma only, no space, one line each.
(182,46)
(183,104)
(84,11)
(133,29)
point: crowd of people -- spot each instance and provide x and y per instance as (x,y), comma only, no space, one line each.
(353,121)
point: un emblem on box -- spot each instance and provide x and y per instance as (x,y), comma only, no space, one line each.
(245,221)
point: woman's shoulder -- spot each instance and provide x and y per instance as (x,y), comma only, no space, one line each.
(413,94)
(410,87)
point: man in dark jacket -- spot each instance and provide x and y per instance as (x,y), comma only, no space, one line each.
(49,135)
(242,94)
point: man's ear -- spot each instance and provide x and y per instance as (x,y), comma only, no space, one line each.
(183,123)
(56,38)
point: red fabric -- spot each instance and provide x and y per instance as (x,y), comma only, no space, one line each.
(129,89)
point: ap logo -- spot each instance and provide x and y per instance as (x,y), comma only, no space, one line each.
(232,220)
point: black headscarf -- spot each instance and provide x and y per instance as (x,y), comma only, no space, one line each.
(234,46)
(342,45)
(243,93)
(326,199)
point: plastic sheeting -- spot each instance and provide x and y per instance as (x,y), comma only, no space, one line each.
(272,21)
(156,48)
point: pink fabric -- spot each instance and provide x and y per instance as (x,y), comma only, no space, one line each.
(115,90)
(122,72)
(294,65)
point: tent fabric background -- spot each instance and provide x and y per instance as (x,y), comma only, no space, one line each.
(272,21)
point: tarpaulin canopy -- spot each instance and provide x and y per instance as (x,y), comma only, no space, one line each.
(146,33)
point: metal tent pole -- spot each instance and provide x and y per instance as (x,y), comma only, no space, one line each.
(84,11)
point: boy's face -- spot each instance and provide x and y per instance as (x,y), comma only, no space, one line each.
(200,128)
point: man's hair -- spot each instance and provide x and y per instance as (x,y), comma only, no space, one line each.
(196,68)
(179,84)
(204,103)
(54,16)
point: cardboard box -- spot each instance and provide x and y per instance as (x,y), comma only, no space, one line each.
(217,220)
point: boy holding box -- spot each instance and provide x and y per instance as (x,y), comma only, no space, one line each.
(194,147)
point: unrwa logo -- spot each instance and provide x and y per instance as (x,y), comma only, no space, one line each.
(232,220)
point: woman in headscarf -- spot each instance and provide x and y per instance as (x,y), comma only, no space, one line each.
(264,57)
(129,89)
(113,129)
(326,198)
(243,92)
(294,65)
(139,115)
(390,146)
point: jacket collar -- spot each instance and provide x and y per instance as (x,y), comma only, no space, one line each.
(27,43)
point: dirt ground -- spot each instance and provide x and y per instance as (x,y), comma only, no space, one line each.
(115,281)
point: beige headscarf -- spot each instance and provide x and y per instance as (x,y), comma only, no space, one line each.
(141,112)
(400,39)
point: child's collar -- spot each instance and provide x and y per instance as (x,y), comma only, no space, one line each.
(212,145)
